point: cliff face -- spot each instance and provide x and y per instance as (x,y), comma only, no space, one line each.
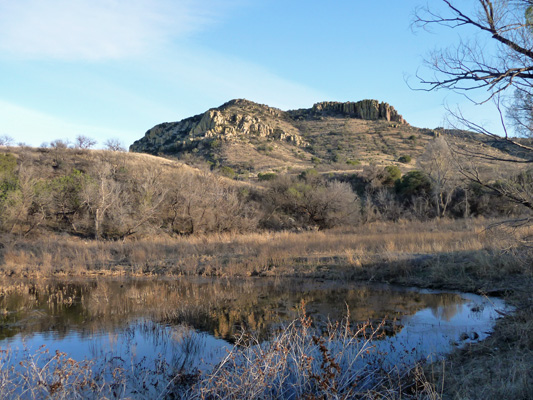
(366,109)
(240,119)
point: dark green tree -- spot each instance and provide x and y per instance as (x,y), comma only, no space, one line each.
(413,184)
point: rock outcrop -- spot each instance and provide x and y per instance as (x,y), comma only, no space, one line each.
(240,119)
(366,109)
(231,121)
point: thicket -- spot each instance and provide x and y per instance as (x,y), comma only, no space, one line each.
(108,195)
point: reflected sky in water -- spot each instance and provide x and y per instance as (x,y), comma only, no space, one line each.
(192,322)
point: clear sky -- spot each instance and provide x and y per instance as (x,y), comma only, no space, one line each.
(115,68)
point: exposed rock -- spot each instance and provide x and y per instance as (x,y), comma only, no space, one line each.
(365,109)
(240,118)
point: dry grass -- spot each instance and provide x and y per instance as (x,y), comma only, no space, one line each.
(459,255)
(380,251)
(299,361)
(498,367)
(302,362)
(41,375)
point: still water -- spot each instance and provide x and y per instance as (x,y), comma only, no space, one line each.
(193,322)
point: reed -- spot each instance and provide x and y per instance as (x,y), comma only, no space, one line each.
(298,361)
(304,362)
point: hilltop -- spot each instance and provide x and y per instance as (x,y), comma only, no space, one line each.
(251,137)
(247,138)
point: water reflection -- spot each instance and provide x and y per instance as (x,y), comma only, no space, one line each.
(446,312)
(190,321)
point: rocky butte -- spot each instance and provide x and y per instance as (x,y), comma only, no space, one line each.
(241,119)
(371,110)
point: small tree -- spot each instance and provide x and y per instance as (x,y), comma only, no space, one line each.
(60,144)
(84,142)
(100,194)
(22,203)
(66,198)
(114,144)
(437,162)
(413,184)
(6,140)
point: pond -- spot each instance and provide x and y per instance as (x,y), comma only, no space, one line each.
(192,324)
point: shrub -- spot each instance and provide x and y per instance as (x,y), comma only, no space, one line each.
(227,171)
(266,176)
(414,183)
(353,162)
(406,159)
(8,163)
(391,174)
(8,176)
(265,148)
(310,173)
(214,144)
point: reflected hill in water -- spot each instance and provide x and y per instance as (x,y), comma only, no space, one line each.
(220,307)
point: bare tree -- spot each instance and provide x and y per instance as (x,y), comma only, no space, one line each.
(438,163)
(520,113)
(100,194)
(149,194)
(84,142)
(386,204)
(6,140)
(330,205)
(114,144)
(200,203)
(59,144)
(468,66)
(309,201)
(498,71)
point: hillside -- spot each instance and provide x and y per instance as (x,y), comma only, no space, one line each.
(251,138)
(335,164)
(106,194)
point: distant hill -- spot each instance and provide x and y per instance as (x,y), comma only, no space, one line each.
(249,138)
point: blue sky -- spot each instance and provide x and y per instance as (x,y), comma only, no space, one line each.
(115,68)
